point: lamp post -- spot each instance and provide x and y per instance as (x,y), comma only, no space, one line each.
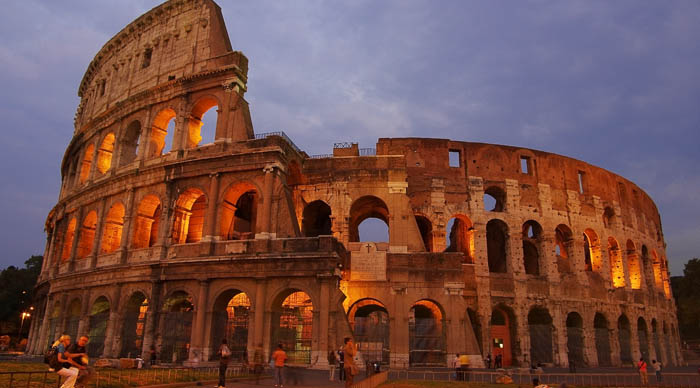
(24,315)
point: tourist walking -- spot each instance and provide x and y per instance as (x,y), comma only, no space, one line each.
(153,354)
(341,364)
(224,357)
(350,367)
(331,365)
(499,361)
(642,368)
(657,370)
(279,357)
(69,368)
(464,366)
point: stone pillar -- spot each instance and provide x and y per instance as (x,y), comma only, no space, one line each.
(114,323)
(259,313)
(99,229)
(590,352)
(43,332)
(144,138)
(210,219)
(559,336)
(398,321)
(166,220)
(197,349)
(321,353)
(62,317)
(126,227)
(84,322)
(45,263)
(268,186)
(614,337)
(151,318)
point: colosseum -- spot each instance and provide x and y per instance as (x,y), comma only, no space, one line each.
(170,234)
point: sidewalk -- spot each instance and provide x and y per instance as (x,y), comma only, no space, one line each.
(295,377)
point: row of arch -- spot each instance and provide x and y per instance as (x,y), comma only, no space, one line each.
(98,156)
(460,238)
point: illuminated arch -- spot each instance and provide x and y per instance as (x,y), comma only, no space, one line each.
(617,268)
(86,164)
(176,327)
(292,324)
(591,250)
(68,238)
(199,109)
(188,223)
(238,214)
(460,237)
(104,153)
(159,132)
(129,143)
(113,225)
(87,235)
(634,266)
(133,325)
(230,320)
(369,320)
(147,222)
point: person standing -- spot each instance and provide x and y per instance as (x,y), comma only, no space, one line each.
(642,368)
(69,368)
(488,361)
(350,368)
(331,364)
(455,365)
(657,370)
(341,364)
(279,357)
(258,364)
(78,353)
(224,357)
(153,354)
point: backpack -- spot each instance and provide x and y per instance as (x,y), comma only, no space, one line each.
(51,358)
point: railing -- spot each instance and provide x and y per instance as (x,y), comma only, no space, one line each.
(321,156)
(119,377)
(368,151)
(611,379)
(280,134)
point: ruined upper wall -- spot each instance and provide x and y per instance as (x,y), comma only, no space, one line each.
(176,39)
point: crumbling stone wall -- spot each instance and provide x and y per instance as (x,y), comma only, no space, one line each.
(175,230)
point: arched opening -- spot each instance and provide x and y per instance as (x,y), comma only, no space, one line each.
(657,341)
(460,237)
(425,227)
(68,238)
(634,266)
(476,326)
(591,250)
(147,222)
(643,336)
(316,219)
(113,225)
(72,171)
(494,199)
(502,332)
(574,339)
(104,154)
(426,335)
(608,217)
(87,235)
(162,133)
(133,325)
(532,246)
(230,321)
(602,340)
(656,266)
(624,338)
(176,324)
(202,122)
(239,212)
(99,316)
(496,240)
(377,229)
(73,319)
(563,246)
(292,325)
(129,143)
(617,269)
(53,325)
(189,217)
(86,164)
(369,320)
(540,327)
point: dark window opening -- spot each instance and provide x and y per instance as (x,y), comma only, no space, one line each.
(147,58)
(494,199)
(496,238)
(316,219)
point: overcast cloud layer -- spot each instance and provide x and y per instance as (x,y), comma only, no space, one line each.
(613,83)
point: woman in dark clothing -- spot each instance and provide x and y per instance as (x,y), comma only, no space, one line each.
(224,354)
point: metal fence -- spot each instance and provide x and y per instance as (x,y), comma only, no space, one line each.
(280,134)
(553,379)
(120,377)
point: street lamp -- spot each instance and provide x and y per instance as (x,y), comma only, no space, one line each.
(24,315)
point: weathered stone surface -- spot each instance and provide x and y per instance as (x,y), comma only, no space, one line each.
(138,226)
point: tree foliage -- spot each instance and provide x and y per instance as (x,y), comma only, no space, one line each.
(16,290)
(686,290)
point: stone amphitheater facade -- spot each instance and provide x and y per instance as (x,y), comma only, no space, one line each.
(162,241)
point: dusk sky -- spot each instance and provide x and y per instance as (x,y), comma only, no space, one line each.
(613,83)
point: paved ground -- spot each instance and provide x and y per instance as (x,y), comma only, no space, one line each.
(295,377)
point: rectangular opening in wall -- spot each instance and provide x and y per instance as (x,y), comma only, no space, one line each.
(524,164)
(455,158)
(147,58)
(580,181)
